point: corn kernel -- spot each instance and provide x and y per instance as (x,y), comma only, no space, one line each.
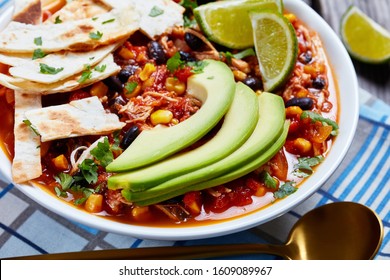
(290,17)
(148,69)
(140,213)
(148,83)
(94,203)
(293,111)
(239,75)
(175,121)
(310,69)
(174,84)
(125,53)
(99,89)
(302,145)
(260,191)
(60,162)
(302,93)
(161,117)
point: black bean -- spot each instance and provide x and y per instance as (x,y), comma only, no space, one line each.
(126,72)
(253,82)
(185,56)
(305,103)
(319,82)
(193,42)
(114,83)
(116,104)
(305,57)
(156,51)
(129,137)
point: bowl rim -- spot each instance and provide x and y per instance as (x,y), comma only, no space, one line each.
(348,118)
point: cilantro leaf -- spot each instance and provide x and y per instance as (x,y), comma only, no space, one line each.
(96,36)
(38,41)
(156,11)
(116,145)
(46,69)
(317,117)
(304,166)
(188,4)
(85,75)
(108,21)
(38,53)
(285,190)
(89,169)
(131,86)
(268,180)
(175,63)
(244,53)
(197,66)
(29,124)
(57,20)
(103,153)
(65,180)
(101,68)
(60,193)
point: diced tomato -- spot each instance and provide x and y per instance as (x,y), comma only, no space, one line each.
(193,202)
(279,165)
(79,94)
(183,74)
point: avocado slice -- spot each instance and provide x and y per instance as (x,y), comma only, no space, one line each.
(268,129)
(146,198)
(215,88)
(238,125)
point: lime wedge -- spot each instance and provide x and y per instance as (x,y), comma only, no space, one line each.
(276,47)
(227,22)
(364,39)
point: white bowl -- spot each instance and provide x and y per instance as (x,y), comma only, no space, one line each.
(348,116)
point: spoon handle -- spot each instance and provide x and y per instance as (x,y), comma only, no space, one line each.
(185,252)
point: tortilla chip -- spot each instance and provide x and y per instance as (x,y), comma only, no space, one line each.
(15,59)
(66,85)
(78,118)
(167,14)
(78,35)
(80,9)
(71,63)
(26,164)
(28,11)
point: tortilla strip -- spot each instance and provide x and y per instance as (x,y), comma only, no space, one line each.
(79,9)
(15,59)
(71,62)
(73,35)
(26,164)
(172,14)
(78,118)
(28,11)
(66,85)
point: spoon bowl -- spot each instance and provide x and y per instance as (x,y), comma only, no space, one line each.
(336,231)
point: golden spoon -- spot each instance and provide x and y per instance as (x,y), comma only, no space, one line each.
(342,230)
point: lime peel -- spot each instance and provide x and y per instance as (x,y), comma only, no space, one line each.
(276,46)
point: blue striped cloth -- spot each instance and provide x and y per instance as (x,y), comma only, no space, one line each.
(27,228)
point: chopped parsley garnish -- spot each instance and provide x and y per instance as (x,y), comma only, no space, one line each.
(156,11)
(131,86)
(29,124)
(46,69)
(57,20)
(103,153)
(38,53)
(38,41)
(85,75)
(317,117)
(96,36)
(285,190)
(108,21)
(101,68)
(304,166)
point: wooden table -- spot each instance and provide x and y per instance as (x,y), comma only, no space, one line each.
(373,78)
